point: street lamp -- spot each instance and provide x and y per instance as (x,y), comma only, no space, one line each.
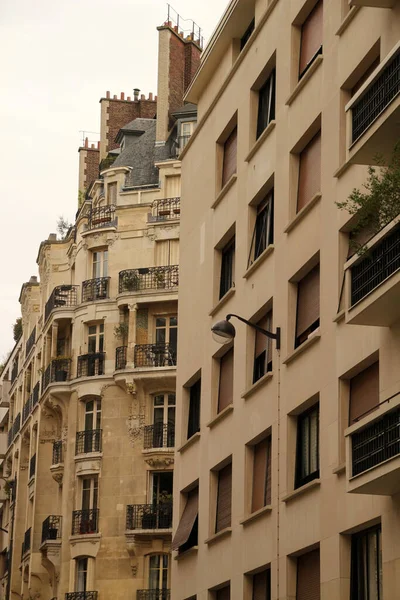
(224,332)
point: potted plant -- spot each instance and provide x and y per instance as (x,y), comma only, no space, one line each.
(121,331)
(61,368)
(159,277)
(130,281)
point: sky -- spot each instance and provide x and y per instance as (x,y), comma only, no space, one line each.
(59,57)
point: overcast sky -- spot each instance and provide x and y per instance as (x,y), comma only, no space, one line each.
(59,57)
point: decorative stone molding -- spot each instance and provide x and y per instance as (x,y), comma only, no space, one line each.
(57,472)
(85,545)
(159,462)
(88,464)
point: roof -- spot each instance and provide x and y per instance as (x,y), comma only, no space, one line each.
(135,127)
(186,109)
(139,154)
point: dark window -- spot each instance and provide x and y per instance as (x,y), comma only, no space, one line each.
(262,585)
(307,306)
(366,565)
(224,499)
(247,35)
(227,268)
(263,233)
(194,408)
(311,38)
(307,456)
(263,349)
(266,104)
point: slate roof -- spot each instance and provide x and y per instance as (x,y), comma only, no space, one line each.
(139,154)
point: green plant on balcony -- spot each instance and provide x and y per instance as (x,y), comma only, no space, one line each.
(131,281)
(377,204)
(121,331)
(159,278)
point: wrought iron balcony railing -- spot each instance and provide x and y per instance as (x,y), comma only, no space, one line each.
(32,466)
(26,411)
(380,262)
(103,216)
(149,516)
(149,278)
(61,296)
(88,441)
(26,544)
(59,370)
(14,371)
(376,98)
(153,595)
(165,210)
(35,394)
(90,365)
(85,521)
(57,457)
(51,528)
(10,436)
(155,355)
(120,357)
(95,289)
(16,425)
(81,596)
(159,435)
(30,342)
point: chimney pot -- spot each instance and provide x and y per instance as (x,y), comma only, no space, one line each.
(33,279)
(92,145)
(142,97)
(150,96)
(86,142)
(98,145)
(108,95)
(122,96)
(136,94)
(52,237)
(129,98)
(115,97)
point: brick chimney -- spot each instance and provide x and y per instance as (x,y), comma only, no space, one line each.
(89,159)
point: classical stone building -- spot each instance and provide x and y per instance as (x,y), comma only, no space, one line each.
(89,389)
(287,468)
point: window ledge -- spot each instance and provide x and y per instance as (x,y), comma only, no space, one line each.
(189,552)
(302,490)
(259,260)
(192,440)
(315,337)
(339,469)
(253,388)
(219,536)
(257,514)
(340,316)
(224,190)
(303,212)
(307,75)
(221,302)
(260,141)
(220,416)
(342,169)
(347,20)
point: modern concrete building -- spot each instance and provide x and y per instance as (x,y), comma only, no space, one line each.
(287,469)
(89,389)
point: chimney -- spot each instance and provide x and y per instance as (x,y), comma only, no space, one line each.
(136,92)
(33,279)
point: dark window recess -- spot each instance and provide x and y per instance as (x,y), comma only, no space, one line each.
(307,455)
(225,389)
(308,585)
(262,585)
(266,104)
(224,499)
(230,157)
(311,38)
(224,593)
(194,409)
(366,565)
(263,349)
(246,36)
(307,306)
(261,495)
(227,268)
(263,233)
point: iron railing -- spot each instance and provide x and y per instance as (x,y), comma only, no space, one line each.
(376,443)
(10,436)
(159,435)
(149,278)
(149,516)
(51,528)
(155,355)
(61,296)
(14,371)
(26,544)
(81,596)
(380,262)
(95,289)
(26,411)
(90,365)
(165,210)
(153,595)
(30,342)
(88,441)
(58,370)
(85,521)
(103,216)
(16,425)
(57,457)
(32,466)
(120,357)
(35,394)
(376,98)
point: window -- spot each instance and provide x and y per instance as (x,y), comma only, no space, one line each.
(162,487)
(311,38)
(96,338)
(308,576)
(261,588)
(81,575)
(225,388)
(86,521)
(112,193)
(93,364)
(246,36)
(366,565)
(186,535)
(187,128)
(227,280)
(364,393)
(93,414)
(90,492)
(307,456)
(230,157)
(309,172)
(224,499)
(266,104)
(167,331)
(100,264)
(158,572)
(307,306)
(164,421)
(194,408)
(263,233)
(224,593)
(261,492)
(166,254)
(263,349)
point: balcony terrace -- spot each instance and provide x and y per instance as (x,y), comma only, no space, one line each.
(62,297)
(168,209)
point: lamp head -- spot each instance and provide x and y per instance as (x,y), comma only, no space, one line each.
(223,332)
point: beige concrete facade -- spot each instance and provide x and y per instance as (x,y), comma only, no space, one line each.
(324,514)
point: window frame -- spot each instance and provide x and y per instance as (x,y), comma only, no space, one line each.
(227,270)
(263,120)
(265,206)
(194,408)
(247,34)
(298,338)
(303,480)
(318,51)
(355,592)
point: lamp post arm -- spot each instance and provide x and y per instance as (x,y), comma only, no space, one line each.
(273,336)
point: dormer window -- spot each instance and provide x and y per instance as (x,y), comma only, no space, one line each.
(187,128)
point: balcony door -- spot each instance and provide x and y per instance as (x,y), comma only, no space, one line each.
(95,365)
(158,573)
(164,420)
(90,494)
(100,264)
(167,335)
(162,486)
(81,575)
(92,425)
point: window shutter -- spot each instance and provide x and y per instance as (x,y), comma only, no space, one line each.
(311,36)
(364,392)
(224,498)
(307,301)
(187,521)
(225,395)
(230,151)
(309,172)
(261,475)
(262,585)
(224,593)
(308,576)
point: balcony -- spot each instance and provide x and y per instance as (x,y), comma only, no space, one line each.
(155,355)
(14,372)
(35,395)
(120,358)
(51,529)
(159,435)
(373,3)
(85,522)
(373,281)
(149,516)
(374,113)
(63,296)
(3,444)
(88,441)
(168,209)
(32,466)
(30,342)
(103,216)
(91,365)
(16,425)
(26,411)
(58,371)
(153,595)
(10,437)
(81,596)
(149,278)
(95,289)
(57,458)
(26,544)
